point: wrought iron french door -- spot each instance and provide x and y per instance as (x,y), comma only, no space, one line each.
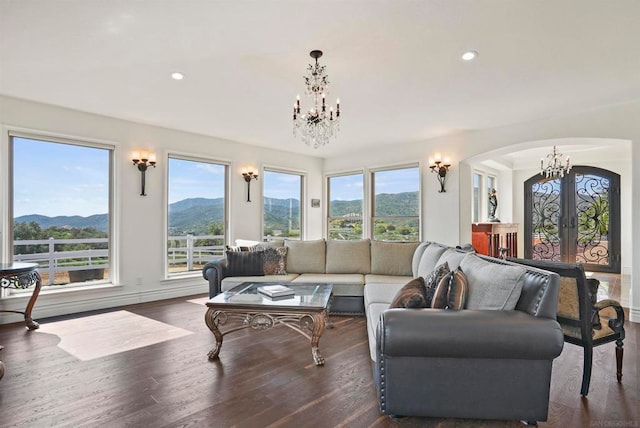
(574,219)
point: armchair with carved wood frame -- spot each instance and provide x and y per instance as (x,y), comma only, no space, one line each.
(585,321)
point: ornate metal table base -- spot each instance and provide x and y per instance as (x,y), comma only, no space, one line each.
(19,277)
(309,324)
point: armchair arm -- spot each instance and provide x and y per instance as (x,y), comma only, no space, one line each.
(468,334)
(616,324)
(214,272)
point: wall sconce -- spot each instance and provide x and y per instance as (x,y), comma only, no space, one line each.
(248,175)
(440,167)
(143,159)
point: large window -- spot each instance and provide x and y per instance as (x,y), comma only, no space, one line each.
(396,204)
(282,216)
(345,193)
(61,208)
(196,213)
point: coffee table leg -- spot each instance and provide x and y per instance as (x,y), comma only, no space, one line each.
(318,329)
(210,318)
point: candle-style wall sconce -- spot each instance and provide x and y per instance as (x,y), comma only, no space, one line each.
(440,167)
(143,160)
(249,175)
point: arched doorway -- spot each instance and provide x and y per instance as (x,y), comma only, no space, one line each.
(574,219)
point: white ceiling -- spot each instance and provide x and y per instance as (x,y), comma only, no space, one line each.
(394,64)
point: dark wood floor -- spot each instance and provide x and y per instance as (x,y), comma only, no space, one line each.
(262,379)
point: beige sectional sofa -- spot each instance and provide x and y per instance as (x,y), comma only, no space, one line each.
(348,265)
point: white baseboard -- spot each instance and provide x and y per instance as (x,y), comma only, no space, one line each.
(55,305)
(634,315)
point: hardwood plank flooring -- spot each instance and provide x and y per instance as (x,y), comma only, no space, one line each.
(263,379)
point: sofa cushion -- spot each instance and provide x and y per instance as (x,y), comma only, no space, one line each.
(374,311)
(451,292)
(453,257)
(386,279)
(432,281)
(245,263)
(491,285)
(348,256)
(344,284)
(274,261)
(429,259)
(305,256)
(232,281)
(392,258)
(411,295)
(417,255)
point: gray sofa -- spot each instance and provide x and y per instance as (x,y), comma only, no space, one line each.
(491,360)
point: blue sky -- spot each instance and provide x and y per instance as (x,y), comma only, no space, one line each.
(62,179)
(59,179)
(192,179)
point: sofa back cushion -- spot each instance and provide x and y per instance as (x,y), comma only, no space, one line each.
(417,255)
(429,259)
(453,257)
(348,256)
(392,258)
(492,285)
(305,256)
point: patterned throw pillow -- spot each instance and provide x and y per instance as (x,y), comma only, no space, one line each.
(452,291)
(432,280)
(411,295)
(274,261)
(241,248)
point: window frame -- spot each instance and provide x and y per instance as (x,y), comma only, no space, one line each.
(372,196)
(227,182)
(483,192)
(303,199)
(7,195)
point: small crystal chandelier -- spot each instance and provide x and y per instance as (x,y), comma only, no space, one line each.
(557,165)
(318,125)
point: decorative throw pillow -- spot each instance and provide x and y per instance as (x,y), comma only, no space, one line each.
(245,263)
(432,280)
(458,290)
(411,295)
(451,292)
(274,261)
(240,248)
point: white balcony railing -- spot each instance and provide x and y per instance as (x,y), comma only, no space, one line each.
(182,252)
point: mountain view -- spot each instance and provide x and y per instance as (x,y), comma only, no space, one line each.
(200,216)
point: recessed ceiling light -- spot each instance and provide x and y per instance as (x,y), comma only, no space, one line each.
(470,55)
(177,76)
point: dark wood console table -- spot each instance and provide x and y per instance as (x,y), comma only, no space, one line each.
(21,276)
(495,239)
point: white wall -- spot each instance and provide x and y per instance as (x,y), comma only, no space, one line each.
(446,216)
(140,220)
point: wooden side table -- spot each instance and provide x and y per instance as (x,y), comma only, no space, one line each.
(21,276)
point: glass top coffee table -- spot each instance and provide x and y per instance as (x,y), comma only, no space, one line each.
(305,312)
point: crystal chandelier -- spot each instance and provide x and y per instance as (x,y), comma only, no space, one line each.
(557,165)
(320,123)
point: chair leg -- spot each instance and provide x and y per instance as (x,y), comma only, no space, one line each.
(619,353)
(586,372)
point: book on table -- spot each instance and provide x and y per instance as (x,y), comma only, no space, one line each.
(276,290)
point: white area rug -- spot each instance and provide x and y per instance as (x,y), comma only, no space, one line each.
(110,333)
